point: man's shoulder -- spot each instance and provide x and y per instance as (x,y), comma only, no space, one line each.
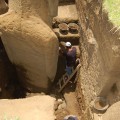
(74,48)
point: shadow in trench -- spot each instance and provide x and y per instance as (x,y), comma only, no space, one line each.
(6,1)
(10,84)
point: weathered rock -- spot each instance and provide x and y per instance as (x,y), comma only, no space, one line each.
(28,109)
(100,51)
(59,107)
(113,113)
(60,104)
(30,43)
(56,105)
(100,54)
(60,100)
(3,7)
(63,105)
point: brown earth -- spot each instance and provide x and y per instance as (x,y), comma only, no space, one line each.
(71,98)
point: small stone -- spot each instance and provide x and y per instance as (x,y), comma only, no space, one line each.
(59,100)
(63,105)
(28,95)
(59,107)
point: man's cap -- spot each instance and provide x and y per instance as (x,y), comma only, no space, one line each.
(67,44)
(72,118)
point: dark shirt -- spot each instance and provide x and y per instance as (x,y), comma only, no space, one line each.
(71,57)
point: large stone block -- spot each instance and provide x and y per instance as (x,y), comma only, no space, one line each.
(30,43)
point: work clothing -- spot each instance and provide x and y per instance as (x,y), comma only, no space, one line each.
(71,57)
(70,60)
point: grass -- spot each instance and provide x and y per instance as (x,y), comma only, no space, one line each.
(10,118)
(113,8)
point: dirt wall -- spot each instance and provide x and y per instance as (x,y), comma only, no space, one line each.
(99,52)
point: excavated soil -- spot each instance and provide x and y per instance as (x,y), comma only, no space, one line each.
(70,95)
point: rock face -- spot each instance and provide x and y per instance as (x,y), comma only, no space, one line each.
(100,70)
(28,109)
(3,7)
(29,41)
(113,113)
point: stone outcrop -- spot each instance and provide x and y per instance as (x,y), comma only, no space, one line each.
(100,70)
(3,7)
(113,113)
(29,41)
(28,109)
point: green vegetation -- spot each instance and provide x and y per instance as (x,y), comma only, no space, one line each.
(113,8)
(11,118)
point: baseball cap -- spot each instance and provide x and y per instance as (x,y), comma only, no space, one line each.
(67,44)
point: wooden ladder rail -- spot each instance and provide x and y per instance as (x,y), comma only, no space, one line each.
(76,69)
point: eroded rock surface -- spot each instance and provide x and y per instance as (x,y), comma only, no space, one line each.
(113,113)
(100,69)
(30,43)
(28,109)
(3,7)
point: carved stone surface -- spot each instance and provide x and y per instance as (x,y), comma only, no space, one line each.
(29,41)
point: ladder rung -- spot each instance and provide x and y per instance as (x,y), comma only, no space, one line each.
(61,79)
(69,78)
(64,78)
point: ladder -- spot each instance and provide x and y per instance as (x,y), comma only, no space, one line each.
(62,82)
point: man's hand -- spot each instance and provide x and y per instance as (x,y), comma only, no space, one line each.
(77,61)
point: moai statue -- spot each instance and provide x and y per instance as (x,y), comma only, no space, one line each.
(29,41)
